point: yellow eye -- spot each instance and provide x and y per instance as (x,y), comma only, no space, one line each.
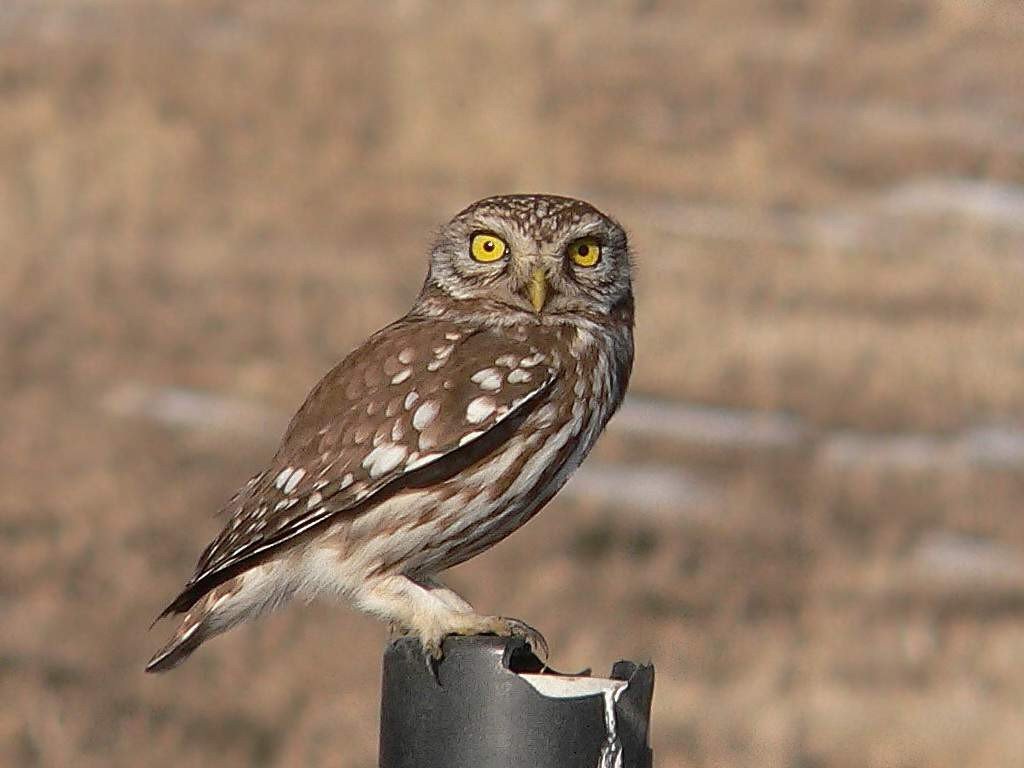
(585,251)
(486,248)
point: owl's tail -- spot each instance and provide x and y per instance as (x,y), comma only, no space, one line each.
(247,595)
(189,635)
(186,639)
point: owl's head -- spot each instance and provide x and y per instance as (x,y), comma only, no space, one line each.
(537,254)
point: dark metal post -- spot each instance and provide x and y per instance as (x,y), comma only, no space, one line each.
(490,707)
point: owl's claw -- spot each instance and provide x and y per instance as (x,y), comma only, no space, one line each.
(517,628)
(432,655)
(432,650)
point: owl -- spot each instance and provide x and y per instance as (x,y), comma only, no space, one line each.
(438,437)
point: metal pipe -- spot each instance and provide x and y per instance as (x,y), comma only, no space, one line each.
(489,704)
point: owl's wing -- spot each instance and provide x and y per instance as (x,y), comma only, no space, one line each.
(413,405)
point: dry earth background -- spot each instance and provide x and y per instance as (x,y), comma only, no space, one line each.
(809,514)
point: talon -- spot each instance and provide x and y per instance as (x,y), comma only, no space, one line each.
(517,628)
(432,648)
(432,655)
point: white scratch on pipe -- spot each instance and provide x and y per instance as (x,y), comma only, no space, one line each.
(611,752)
(570,687)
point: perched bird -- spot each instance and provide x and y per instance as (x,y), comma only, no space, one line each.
(439,436)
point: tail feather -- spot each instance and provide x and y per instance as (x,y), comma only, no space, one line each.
(189,636)
(245,596)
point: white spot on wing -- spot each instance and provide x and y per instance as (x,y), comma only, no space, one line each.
(410,399)
(282,478)
(425,414)
(506,361)
(479,409)
(314,501)
(401,376)
(488,378)
(383,459)
(407,355)
(293,481)
(518,376)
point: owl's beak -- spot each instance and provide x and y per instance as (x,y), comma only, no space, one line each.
(537,288)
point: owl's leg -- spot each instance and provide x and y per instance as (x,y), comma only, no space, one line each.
(449,596)
(430,611)
(484,625)
(436,589)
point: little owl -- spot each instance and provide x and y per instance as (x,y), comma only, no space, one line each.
(439,436)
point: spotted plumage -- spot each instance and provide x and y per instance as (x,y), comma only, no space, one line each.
(440,435)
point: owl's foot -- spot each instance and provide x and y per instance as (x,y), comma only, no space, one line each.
(473,624)
(428,610)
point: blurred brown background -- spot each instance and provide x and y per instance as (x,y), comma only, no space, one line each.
(809,514)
